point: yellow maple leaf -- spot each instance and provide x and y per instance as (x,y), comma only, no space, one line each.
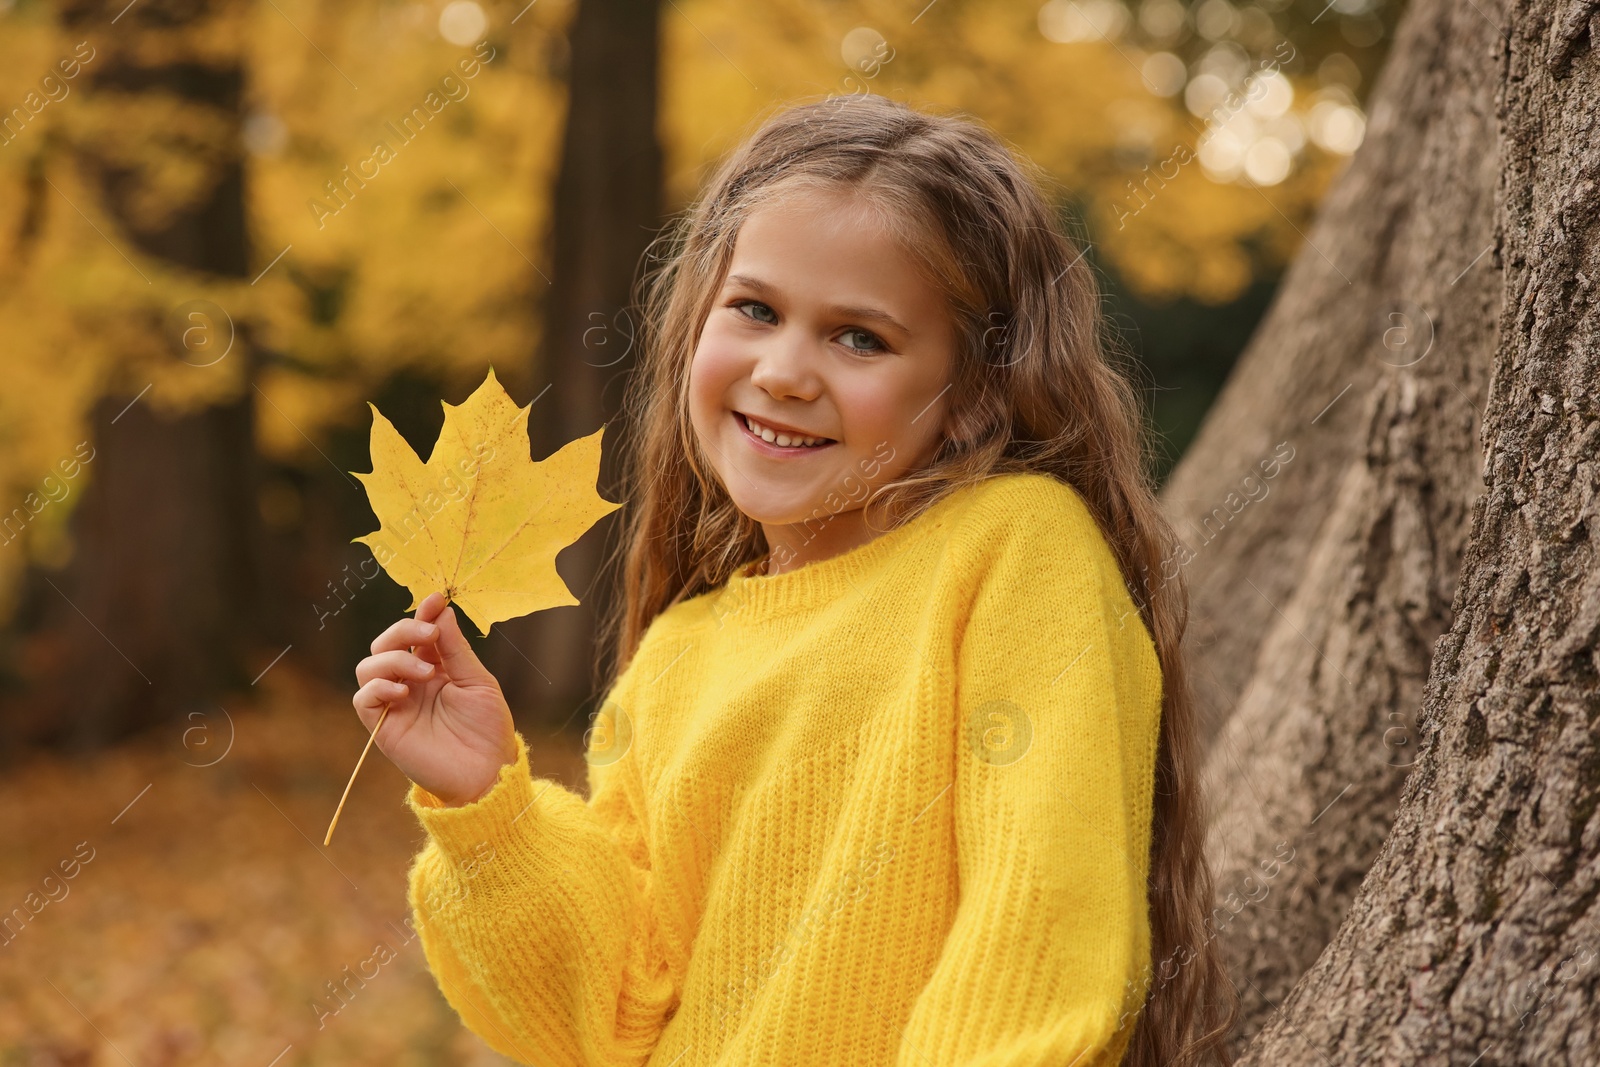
(481,521)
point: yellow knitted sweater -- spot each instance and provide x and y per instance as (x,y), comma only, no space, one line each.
(889,808)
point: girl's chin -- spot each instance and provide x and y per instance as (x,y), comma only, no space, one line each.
(777,505)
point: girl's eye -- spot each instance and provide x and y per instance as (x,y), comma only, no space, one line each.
(757,311)
(863,333)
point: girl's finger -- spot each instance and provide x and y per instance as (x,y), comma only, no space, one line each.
(461,664)
(405,634)
(370,698)
(396,666)
(431,605)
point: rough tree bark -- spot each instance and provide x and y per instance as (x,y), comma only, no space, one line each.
(1317,603)
(1474,938)
(607,207)
(150,618)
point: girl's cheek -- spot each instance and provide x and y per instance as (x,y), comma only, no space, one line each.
(701,371)
(715,364)
(873,416)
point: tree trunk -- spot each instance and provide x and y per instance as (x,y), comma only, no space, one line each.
(149,619)
(1318,593)
(607,208)
(1473,937)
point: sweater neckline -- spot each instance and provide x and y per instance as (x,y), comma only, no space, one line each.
(824,580)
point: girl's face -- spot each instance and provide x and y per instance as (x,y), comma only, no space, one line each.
(822,329)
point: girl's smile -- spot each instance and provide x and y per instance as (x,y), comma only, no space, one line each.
(820,373)
(775,439)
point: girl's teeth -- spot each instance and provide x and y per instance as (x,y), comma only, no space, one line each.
(782,440)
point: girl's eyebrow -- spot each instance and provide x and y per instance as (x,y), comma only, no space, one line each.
(844,311)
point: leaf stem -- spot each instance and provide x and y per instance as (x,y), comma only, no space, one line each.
(370,738)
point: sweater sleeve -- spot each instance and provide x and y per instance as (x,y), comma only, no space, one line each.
(534,911)
(1057,707)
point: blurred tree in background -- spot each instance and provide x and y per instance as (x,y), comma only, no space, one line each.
(165,558)
(234,223)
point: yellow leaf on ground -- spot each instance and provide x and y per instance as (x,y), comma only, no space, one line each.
(480,521)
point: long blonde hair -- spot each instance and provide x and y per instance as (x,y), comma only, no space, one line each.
(1033,390)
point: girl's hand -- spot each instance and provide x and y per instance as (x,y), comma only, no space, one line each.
(449,728)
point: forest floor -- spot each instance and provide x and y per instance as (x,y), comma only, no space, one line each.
(203,920)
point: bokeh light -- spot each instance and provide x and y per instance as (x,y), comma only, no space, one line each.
(1163,74)
(1337,127)
(264,134)
(1215,19)
(1204,94)
(462,22)
(1069,22)
(1163,20)
(1269,94)
(863,48)
(1267,161)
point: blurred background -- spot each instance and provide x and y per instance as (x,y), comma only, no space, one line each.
(225,227)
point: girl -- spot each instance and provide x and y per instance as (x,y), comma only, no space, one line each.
(894,768)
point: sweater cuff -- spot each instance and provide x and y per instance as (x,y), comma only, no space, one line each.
(460,830)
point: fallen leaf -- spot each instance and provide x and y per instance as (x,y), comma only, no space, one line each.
(480,521)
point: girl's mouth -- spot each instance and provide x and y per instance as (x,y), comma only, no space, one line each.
(768,440)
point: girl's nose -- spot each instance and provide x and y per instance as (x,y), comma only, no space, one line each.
(787,367)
